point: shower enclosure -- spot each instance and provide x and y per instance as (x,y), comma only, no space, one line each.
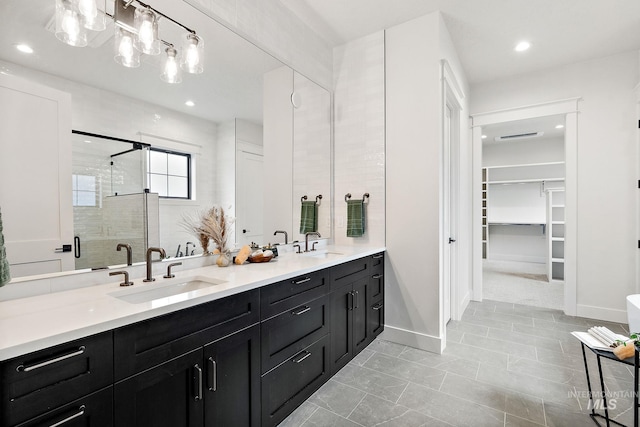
(110,203)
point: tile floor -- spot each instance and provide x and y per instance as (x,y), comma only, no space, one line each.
(505,365)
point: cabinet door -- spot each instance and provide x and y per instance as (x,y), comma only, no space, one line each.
(376,318)
(361,297)
(95,410)
(168,395)
(341,327)
(232,394)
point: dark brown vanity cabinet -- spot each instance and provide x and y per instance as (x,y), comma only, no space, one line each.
(37,383)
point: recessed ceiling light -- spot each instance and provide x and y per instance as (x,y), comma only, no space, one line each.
(189,103)
(24,48)
(522,46)
(559,126)
(87,141)
(484,136)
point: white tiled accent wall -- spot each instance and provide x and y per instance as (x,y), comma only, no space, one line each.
(311,152)
(359,126)
(277,30)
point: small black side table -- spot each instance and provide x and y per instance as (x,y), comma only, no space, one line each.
(633,361)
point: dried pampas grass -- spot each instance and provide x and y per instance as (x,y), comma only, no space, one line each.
(210,224)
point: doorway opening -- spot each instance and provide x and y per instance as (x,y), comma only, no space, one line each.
(523,189)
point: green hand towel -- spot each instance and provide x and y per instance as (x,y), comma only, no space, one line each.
(308,217)
(5,275)
(355,218)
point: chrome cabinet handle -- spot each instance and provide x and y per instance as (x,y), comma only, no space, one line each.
(377,276)
(355,297)
(350,302)
(299,282)
(378,306)
(213,375)
(198,369)
(78,352)
(296,359)
(72,417)
(301,310)
(378,256)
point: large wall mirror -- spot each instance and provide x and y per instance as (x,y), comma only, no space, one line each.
(221,129)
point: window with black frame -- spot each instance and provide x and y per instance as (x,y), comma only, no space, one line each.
(169,173)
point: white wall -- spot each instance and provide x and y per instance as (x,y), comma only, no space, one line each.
(414,103)
(359,135)
(523,152)
(607,168)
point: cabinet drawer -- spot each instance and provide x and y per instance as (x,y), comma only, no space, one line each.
(376,285)
(151,342)
(285,335)
(377,260)
(376,318)
(348,272)
(291,293)
(95,410)
(288,385)
(41,381)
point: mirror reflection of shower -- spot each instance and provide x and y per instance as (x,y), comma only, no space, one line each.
(110,203)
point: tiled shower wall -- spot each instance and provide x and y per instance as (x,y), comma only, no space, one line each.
(359,120)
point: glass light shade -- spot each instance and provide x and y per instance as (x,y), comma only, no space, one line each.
(126,54)
(70,24)
(171,71)
(146,25)
(94,19)
(192,58)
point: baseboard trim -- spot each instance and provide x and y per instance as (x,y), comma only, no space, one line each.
(600,313)
(413,339)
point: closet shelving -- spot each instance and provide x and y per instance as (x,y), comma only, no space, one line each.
(485,223)
(555,236)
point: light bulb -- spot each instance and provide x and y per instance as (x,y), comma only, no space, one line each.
(125,53)
(88,9)
(192,51)
(193,58)
(71,25)
(126,48)
(171,71)
(147,32)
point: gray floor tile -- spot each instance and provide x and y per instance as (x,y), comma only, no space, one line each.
(558,415)
(373,411)
(371,381)
(362,357)
(503,317)
(444,362)
(445,407)
(325,418)
(299,416)
(386,347)
(475,391)
(559,374)
(337,397)
(525,406)
(513,421)
(540,332)
(476,354)
(409,371)
(486,321)
(467,327)
(518,337)
(454,335)
(513,348)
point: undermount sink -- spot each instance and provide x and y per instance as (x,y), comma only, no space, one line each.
(322,253)
(172,291)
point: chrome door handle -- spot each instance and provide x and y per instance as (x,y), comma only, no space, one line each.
(377,276)
(378,256)
(356,293)
(301,310)
(299,282)
(79,351)
(69,418)
(451,240)
(198,390)
(378,306)
(300,359)
(213,372)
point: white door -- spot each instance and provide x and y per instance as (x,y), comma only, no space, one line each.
(447,216)
(35,145)
(249,198)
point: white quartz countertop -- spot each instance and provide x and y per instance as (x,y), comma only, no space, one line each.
(38,322)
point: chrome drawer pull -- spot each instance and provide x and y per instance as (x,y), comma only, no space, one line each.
(199,383)
(78,352)
(213,381)
(299,282)
(307,354)
(355,298)
(377,276)
(301,310)
(72,417)
(378,256)
(378,306)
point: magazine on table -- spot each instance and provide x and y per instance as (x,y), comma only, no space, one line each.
(600,338)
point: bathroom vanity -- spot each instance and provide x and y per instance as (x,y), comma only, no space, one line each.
(245,351)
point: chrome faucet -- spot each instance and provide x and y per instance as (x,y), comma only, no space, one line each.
(306,239)
(128,248)
(186,251)
(149,252)
(286,236)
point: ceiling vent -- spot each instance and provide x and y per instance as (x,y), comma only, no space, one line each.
(518,136)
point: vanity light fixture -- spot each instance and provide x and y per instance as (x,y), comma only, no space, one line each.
(24,48)
(522,46)
(136,31)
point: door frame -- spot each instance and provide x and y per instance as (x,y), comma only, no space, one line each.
(452,98)
(570,109)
